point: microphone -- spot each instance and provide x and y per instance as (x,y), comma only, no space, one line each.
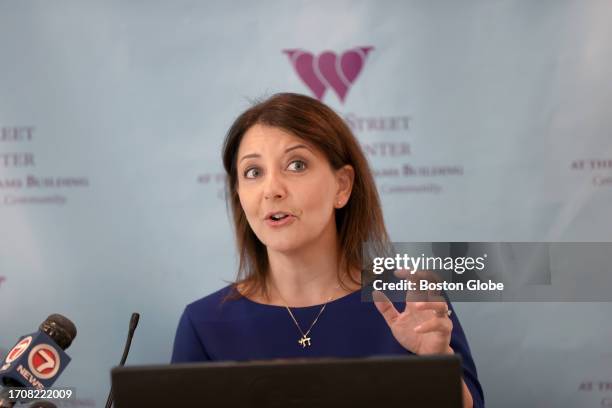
(128,343)
(37,359)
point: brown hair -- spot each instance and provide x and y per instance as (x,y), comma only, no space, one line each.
(359,221)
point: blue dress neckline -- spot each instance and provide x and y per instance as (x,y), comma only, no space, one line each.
(335,301)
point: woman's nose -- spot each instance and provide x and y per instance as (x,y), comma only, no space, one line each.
(274,187)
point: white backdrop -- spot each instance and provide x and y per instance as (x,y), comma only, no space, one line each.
(484,120)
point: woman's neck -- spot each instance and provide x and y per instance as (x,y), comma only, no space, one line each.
(302,280)
(308,276)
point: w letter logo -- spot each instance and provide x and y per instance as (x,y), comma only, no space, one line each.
(327,70)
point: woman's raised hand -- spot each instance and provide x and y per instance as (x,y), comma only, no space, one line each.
(424,327)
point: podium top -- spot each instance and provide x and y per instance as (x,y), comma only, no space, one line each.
(329,382)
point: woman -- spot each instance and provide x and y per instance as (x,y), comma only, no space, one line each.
(303,201)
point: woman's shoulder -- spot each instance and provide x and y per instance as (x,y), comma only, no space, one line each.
(223,302)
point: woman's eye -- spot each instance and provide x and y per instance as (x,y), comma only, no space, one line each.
(253,172)
(297,165)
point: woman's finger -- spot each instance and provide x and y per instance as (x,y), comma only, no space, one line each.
(385,307)
(439,308)
(435,324)
(415,279)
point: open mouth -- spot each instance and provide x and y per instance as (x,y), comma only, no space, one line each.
(279,219)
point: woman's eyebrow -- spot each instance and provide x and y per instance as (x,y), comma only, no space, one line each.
(249,156)
(289,149)
(300,146)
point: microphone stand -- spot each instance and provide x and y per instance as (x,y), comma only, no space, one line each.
(128,343)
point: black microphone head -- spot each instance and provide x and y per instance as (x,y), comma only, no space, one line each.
(60,329)
(134,321)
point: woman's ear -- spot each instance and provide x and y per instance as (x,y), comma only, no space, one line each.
(345,177)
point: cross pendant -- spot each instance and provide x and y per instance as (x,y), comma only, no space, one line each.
(304,341)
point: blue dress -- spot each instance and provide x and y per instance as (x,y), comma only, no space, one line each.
(212,329)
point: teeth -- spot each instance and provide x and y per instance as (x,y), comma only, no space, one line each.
(278,216)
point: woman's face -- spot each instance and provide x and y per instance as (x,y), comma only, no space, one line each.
(288,190)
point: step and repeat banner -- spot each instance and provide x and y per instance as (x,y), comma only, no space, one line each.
(483,121)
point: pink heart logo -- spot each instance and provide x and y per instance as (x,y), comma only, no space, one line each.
(327,70)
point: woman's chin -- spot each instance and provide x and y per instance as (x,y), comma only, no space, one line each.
(284,245)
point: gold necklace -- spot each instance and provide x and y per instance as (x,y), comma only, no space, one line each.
(305,340)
